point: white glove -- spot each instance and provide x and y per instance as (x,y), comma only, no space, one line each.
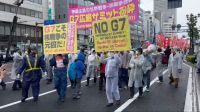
(18,76)
(0,80)
(45,75)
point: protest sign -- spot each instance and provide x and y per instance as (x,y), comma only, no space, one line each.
(84,16)
(60,38)
(112,34)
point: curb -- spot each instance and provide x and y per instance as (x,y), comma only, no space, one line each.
(192,96)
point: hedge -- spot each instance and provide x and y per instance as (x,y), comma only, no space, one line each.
(191,58)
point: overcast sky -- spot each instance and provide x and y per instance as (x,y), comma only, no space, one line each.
(189,6)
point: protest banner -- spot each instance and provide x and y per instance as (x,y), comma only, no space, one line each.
(60,38)
(84,16)
(160,39)
(112,34)
(167,42)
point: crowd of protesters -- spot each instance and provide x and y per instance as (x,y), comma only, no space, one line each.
(114,71)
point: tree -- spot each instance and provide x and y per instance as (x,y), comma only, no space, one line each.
(193,32)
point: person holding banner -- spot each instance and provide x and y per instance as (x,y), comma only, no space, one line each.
(123,71)
(136,73)
(111,73)
(102,70)
(92,67)
(59,62)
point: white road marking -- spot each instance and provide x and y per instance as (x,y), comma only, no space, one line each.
(42,94)
(9,82)
(128,102)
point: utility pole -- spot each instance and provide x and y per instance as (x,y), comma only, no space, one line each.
(37,33)
(18,3)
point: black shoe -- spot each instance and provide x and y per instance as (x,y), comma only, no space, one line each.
(77,97)
(49,81)
(109,105)
(88,81)
(23,99)
(140,96)
(62,99)
(100,89)
(118,102)
(35,99)
(4,87)
(95,80)
(15,89)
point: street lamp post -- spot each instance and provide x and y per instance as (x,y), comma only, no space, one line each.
(37,33)
(18,3)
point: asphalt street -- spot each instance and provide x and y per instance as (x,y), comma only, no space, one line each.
(161,98)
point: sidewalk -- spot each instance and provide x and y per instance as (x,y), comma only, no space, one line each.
(197,77)
(195,87)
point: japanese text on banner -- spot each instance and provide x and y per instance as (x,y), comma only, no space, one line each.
(84,16)
(112,34)
(60,38)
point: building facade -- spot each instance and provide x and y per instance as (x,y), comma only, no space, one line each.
(29,13)
(61,16)
(164,15)
(137,31)
(148,26)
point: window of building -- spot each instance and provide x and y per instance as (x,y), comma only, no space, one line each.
(28,12)
(32,13)
(36,1)
(2,7)
(40,15)
(2,28)
(7,8)
(28,30)
(23,31)
(40,1)
(64,16)
(36,14)
(13,9)
(32,31)
(59,16)
(7,29)
(22,11)
(18,33)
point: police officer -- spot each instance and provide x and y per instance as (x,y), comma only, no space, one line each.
(31,66)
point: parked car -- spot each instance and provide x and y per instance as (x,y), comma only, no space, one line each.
(5,58)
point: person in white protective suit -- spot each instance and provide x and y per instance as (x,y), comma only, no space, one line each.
(92,67)
(17,60)
(111,72)
(174,67)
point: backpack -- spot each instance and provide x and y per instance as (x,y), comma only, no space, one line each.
(164,59)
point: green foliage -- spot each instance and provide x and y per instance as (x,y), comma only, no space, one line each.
(193,32)
(191,58)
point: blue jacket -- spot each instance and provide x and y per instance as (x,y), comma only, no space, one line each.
(81,57)
(72,71)
(80,69)
(34,74)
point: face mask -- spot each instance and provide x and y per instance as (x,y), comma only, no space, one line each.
(136,52)
(112,55)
